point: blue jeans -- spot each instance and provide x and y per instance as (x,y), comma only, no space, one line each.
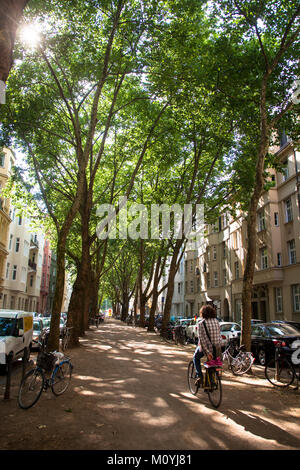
(197,361)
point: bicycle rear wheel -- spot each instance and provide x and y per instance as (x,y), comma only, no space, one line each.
(31,388)
(61,378)
(192,377)
(280,373)
(241,364)
(215,390)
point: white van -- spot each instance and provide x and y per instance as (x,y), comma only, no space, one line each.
(16,328)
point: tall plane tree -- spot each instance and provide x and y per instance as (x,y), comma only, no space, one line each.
(261,42)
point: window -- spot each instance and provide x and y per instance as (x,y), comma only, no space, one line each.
(7,270)
(20,220)
(224,249)
(278,299)
(191,266)
(278,259)
(292,251)
(296,297)
(43,283)
(17,245)
(222,222)
(14,272)
(276,219)
(285,170)
(261,221)
(10,242)
(2,159)
(263,258)
(31,281)
(234,235)
(216,283)
(288,210)
(192,286)
(214,252)
(224,277)
(237,270)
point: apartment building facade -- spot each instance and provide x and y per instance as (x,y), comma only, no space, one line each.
(215,271)
(7,160)
(22,282)
(27,266)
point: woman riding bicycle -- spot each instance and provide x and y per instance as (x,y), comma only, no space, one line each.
(209,335)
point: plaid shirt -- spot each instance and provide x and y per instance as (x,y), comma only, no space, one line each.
(213,327)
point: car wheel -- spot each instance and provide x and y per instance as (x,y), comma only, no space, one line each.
(262,357)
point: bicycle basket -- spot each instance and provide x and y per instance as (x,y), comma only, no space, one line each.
(45,360)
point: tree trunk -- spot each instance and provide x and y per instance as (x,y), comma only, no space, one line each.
(11,12)
(170,291)
(153,310)
(125,306)
(252,223)
(154,295)
(53,340)
(94,296)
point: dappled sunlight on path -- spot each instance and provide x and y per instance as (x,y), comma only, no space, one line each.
(129,391)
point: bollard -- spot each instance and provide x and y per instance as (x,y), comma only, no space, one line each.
(25,360)
(8,378)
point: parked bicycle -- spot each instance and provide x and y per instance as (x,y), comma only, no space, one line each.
(280,371)
(237,359)
(53,370)
(66,337)
(211,383)
(179,336)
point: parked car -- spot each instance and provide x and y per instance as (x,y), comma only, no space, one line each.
(47,322)
(265,336)
(295,324)
(38,332)
(16,328)
(192,330)
(229,330)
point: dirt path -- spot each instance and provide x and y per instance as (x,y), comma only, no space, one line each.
(129,391)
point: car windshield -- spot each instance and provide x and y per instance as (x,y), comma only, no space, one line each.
(6,326)
(282,330)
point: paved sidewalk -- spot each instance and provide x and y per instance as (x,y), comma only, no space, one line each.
(129,391)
